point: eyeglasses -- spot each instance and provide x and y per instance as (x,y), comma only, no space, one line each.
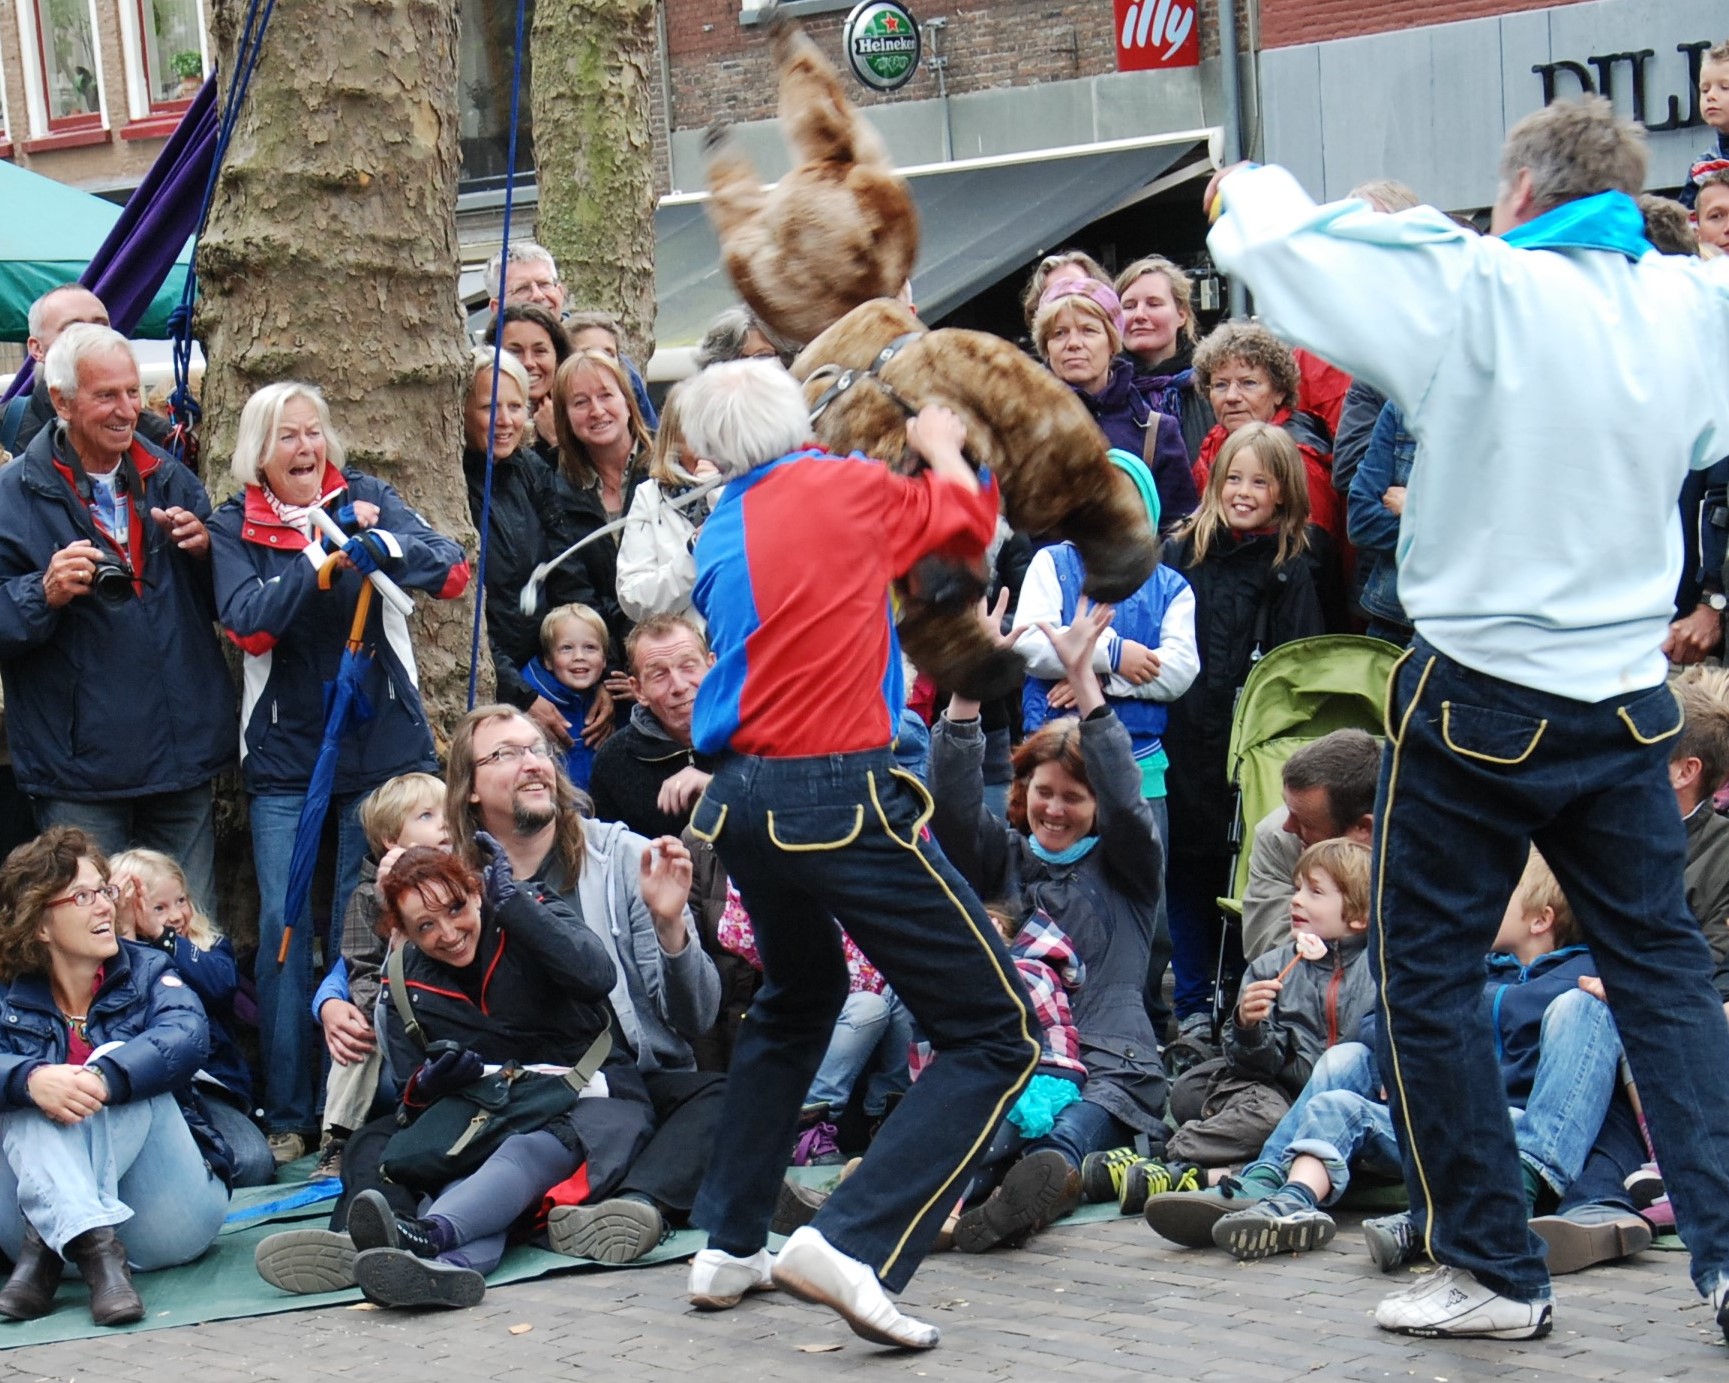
(1242,386)
(86,897)
(512,753)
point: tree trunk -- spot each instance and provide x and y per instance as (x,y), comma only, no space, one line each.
(331,257)
(594,64)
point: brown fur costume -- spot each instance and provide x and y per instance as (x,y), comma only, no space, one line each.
(1023,423)
(838,230)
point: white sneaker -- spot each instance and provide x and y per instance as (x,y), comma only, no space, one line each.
(718,1281)
(814,1270)
(1450,1301)
(1720,1305)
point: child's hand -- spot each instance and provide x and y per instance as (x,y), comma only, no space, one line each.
(1593,986)
(346,1032)
(598,725)
(1137,663)
(1257,1001)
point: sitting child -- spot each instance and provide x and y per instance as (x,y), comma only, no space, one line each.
(573,652)
(155,909)
(1559,1058)
(407,810)
(1296,1002)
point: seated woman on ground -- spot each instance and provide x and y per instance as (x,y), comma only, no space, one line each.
(1080,844)
(154,910)
(498,972)
(101,1124)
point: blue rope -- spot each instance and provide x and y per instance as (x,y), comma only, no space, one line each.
(258,14)
(497,356)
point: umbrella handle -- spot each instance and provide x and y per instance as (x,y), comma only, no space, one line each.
(282,950)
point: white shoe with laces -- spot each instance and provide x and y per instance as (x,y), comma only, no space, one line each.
(814,1270)
(1450,1301)
(719,1281)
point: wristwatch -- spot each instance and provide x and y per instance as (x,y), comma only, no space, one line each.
(1716,600)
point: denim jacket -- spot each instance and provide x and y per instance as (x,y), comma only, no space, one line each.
(1374,529)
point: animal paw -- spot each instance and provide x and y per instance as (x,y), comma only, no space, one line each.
(716,135)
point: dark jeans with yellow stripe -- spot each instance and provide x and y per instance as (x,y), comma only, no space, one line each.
(812,842)
(1475,769)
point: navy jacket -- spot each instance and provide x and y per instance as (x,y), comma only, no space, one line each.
(109,701)
(1374,529)
(1516,997)
(1122,412)
(142,1003)
(293,635)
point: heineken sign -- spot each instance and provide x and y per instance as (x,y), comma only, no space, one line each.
(882,44)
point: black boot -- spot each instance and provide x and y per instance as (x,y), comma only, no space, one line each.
(100,1257)
(29,1292)
(372,1224)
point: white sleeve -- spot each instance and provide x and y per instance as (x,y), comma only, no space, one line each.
(1179,656)
(1042,603)
(1378,295)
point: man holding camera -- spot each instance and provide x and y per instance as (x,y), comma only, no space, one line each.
(120,710)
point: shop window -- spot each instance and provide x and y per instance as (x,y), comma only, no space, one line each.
(171,63)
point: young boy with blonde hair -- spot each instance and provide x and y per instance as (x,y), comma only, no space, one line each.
(404,811)
(574,649)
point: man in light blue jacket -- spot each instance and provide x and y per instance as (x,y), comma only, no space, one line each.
(1560,381)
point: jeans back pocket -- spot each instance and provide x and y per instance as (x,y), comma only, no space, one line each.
(815,828)
(1653,717)
(1491,737)
(707,818)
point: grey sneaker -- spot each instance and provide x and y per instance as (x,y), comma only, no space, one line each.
(303,1261)
(1269,1227)
(1393,1240)
(1451,1302)
(615,1231)
(391,1277)
(1188,1217)
(1589,1235)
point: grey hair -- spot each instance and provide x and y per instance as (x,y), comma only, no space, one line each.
(1575,149)
(724,339)
(522,252)
(481,361)
(256,437)
(1386,195)
(741,414)
(39,308)
(76,344)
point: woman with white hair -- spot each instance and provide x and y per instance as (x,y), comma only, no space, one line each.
(289,601)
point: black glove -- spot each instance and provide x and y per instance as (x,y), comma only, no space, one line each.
(448,1067)
(498,880)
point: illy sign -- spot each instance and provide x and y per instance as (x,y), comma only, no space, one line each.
(1153,34)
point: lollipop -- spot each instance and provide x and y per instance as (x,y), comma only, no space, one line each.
(1309,947)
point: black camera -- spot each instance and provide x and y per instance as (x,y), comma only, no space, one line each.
(111,582)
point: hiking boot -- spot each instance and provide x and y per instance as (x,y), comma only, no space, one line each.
(329,1164)
(818,1142)
(615,1231)
(1039,1189)
(1188,1217)
(372,1224)
(390,1277)
(1393,1241)
(795,1205)
(303,1261)
(1451,1302)
(29,1292)
(1147,1176)
(1102,1174)
(285,1147)
(1589,1235)
(1273,1225)
(814,1270)
(100,1258)
(718,1281)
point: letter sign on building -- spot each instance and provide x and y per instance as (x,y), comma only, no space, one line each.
(1155,34)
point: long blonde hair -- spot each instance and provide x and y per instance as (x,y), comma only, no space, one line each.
(150,865)
(1272,446)
(573,456)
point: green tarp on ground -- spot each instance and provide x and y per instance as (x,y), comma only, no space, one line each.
(48,234)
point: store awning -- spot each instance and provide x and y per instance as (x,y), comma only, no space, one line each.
(978,219)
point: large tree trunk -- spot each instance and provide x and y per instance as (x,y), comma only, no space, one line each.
(594,63)
(331,257)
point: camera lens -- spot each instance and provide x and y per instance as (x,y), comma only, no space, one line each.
(112,582)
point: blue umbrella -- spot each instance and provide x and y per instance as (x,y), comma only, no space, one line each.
(345,706)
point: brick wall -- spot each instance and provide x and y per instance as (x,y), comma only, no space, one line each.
(1287,22)
(720,69)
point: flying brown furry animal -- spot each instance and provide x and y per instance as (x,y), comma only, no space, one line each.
(838,230)
(1026,425)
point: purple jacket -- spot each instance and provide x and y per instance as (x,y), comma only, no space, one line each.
(1122,413)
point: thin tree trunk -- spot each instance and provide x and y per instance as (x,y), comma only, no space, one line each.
(331,257)
(594,64)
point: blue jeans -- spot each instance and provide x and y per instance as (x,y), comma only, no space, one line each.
(1347,1069)
(179,824)
(1475,770)
(286,1033)
(135,1165)
(871,1034)
(253,1163)
(1080,1128)
(837,838)
(1577,1065)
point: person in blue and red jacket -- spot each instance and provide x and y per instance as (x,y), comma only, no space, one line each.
(815,822)
(270,601)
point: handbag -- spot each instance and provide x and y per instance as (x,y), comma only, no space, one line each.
(459,1131)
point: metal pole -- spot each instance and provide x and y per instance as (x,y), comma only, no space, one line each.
(1233,122)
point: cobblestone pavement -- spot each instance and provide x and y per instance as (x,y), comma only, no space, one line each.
(1104,1300)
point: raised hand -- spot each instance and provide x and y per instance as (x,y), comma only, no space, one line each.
(1074,647)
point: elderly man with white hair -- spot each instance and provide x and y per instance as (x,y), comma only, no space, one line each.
(817,826)
(119,706)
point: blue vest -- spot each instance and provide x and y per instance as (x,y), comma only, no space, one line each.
(1140,617)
